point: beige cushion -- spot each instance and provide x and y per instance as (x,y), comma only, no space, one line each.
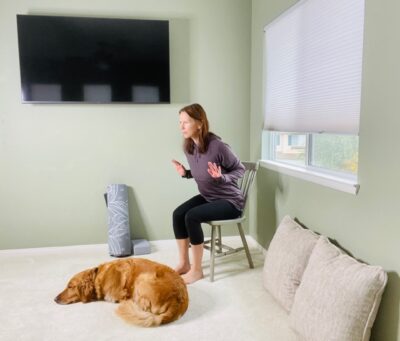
(286,259)
(338,297)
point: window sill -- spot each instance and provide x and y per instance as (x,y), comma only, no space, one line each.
(341,184)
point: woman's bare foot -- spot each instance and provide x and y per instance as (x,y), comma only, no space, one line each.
(192,276)
(182,268)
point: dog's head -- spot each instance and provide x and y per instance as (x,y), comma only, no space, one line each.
(80,288)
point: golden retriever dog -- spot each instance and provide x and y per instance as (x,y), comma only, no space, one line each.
(149,293)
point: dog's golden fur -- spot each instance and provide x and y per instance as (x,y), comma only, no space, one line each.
(149,293)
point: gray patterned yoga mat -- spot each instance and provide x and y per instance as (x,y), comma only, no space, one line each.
(119,236)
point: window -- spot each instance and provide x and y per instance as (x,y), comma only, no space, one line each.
(330,153)
(289,148)
(327,159)
(338,153)
(312,98)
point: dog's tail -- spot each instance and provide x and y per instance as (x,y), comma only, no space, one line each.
(133,313)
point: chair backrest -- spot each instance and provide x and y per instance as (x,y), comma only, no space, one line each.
(248,178)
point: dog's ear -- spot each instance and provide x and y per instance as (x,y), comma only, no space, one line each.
(94,272)
(86,291)
(86,288)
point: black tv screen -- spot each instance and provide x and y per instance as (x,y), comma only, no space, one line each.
(93,60)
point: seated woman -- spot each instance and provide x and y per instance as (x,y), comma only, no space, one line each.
(216,169)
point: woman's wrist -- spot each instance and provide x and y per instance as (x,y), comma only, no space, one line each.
(187,174)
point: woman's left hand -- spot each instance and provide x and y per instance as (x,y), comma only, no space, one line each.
(214,170)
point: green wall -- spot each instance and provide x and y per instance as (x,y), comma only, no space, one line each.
(368,225)
(56,160)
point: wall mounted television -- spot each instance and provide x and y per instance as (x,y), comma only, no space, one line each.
(93,60)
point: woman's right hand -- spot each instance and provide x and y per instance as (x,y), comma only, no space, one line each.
(179,168)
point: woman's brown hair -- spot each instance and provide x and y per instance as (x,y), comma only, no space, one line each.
(197,112)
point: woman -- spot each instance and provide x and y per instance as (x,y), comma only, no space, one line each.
(216,169)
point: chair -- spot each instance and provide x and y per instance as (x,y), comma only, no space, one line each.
(216,247)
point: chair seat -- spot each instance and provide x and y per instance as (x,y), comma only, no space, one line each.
(225,222)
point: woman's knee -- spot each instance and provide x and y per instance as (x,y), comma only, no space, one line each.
(193,226)
(178,217)
(178,212)
(192,218)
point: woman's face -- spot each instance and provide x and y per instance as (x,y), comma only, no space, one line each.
(190,127)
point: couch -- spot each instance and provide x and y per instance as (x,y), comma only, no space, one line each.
(317,292)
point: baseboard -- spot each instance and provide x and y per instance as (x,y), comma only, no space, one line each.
(56,249)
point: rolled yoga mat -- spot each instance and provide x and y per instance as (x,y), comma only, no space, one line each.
(119,236)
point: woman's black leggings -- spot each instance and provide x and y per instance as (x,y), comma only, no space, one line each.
(187,218)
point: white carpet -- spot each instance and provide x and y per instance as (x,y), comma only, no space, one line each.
(234,307)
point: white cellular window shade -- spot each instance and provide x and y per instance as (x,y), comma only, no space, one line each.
(314,66)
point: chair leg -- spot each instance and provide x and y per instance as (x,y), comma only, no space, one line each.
(219,238)
(246,247)
(212,254)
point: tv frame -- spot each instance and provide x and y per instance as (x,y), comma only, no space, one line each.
(166,101)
